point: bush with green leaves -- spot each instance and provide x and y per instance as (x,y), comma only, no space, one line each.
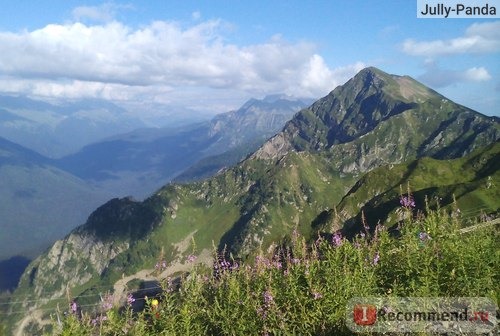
(302,288)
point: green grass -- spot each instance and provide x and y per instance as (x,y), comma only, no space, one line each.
(471,181)
(303,288)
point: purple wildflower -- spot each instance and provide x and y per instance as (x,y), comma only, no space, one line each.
(107,302)
(295,261)
(317,295)
(99,319)
(263,261)
(191,258)
(376,258)
(262,312)
(130,299)
(337,239)
(424,236)
(225,265)
(161,265)
(73,307)
(170,285)
(268,298)
(407,202)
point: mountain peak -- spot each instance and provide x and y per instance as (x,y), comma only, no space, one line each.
(373,71)
(279,98)
(373,100)
(404,88)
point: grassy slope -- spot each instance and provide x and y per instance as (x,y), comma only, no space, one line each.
(252,205)
(473,180)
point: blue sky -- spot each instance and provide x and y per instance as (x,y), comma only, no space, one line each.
(213,55)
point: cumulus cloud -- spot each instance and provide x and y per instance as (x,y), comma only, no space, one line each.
(479,38)
(438,77)
(476,74)
(113,60)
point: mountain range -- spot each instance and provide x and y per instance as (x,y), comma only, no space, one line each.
(55,130)
(349,153)
(139,162)
(44,198)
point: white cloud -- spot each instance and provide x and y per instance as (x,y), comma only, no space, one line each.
(477,74)
(112,60)
(437,77)
(103,13)
(479,38)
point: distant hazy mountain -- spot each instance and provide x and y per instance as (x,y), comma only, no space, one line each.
(140,162)
(375,126)
(57,130)
(39,203)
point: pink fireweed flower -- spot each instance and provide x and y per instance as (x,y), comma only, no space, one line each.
(376,258)
(225,264)
(261,312)
(161,265)
(260,260)
(337,239)
(107,302)
(130,299)
(317,295)
(98,320)
(170,285)
(407,202)
(73,307)
(191,258)
(235,266)
(423,236)
(268,297)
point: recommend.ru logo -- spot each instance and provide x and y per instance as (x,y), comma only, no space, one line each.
(415,314)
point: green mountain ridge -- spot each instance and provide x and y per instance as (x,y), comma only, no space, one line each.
(468,183)
(288,184)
